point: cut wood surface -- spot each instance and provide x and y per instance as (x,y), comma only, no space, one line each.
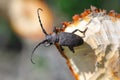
(99,57)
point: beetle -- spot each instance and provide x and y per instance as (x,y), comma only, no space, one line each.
(70,40)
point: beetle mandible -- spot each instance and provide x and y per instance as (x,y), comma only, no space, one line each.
(70,40)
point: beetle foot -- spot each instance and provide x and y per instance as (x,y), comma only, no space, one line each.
(61,48)
(72,49)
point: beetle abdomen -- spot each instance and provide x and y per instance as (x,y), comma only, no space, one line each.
(69,39)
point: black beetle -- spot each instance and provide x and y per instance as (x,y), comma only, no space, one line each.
(70,40)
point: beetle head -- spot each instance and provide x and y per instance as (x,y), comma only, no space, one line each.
(47,41)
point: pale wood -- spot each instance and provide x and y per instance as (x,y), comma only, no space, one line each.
(99,57)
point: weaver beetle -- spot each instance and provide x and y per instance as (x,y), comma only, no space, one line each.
(70,40)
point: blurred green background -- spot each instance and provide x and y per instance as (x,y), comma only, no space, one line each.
(15,49)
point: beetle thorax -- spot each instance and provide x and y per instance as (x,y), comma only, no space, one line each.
(52,38)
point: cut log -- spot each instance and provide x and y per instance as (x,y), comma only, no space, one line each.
(99,57)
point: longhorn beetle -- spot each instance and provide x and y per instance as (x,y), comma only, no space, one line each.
(70,40)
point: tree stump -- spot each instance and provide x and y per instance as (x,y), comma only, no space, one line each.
(99,57)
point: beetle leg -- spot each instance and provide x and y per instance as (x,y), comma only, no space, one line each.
(55,30)
(71,48)
(77,30)
(81,31)
(61,48)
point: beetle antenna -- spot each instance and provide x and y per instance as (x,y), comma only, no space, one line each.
(41,22)
(35,49)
